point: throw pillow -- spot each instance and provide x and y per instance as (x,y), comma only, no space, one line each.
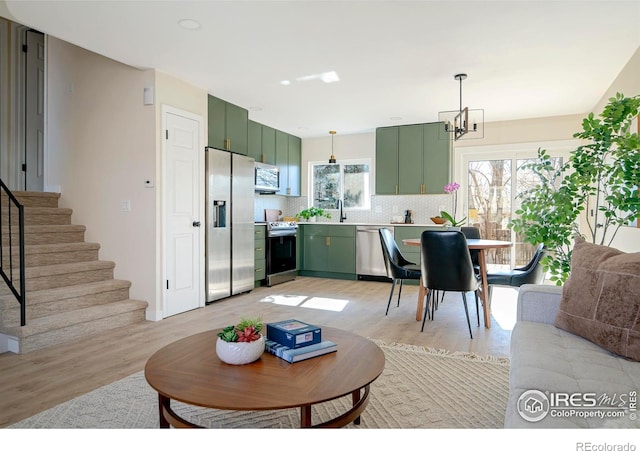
(601,298)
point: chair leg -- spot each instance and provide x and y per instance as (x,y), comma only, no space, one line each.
(393,285)
(466,310)
(477,309)
(434,303)
(426,310)
(399,293)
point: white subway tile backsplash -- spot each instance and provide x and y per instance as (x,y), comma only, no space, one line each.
(383,208)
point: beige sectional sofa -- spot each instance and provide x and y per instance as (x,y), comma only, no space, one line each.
(582,384)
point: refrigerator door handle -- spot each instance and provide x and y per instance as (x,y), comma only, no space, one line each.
(196,223)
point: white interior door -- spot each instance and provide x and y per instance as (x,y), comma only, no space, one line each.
(183,253)
(34,109)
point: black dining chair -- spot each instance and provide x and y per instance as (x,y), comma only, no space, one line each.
(532,273)
(469,233)
(446,266)
(398,267)
(473,233)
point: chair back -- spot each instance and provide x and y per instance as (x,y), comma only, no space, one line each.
(472,233)
(393,258)
(532,272)
(446,262)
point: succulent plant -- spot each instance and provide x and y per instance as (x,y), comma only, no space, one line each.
(247,330)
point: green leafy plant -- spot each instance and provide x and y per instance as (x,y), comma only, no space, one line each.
(600,179)
(451,219)
(247,330)
(313,212)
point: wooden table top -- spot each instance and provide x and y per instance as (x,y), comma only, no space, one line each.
(472,243)
(189,370)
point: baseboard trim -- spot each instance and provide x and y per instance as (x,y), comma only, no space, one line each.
(9,343)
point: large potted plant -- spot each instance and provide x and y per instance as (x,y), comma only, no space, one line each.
(600,179)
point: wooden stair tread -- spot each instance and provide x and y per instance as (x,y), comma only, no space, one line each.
(32,249)
(67,268)
(66,292)
(66,319)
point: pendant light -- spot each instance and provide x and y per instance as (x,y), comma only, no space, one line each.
(463,122)
(332,159)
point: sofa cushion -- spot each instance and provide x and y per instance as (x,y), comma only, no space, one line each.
(601,298)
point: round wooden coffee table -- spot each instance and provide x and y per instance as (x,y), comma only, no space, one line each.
(189,371)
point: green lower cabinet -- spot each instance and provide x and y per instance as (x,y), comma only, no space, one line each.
(260,263)
(328,251)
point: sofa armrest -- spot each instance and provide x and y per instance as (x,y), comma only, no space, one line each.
(538,303)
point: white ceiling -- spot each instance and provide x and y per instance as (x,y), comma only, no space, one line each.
(524,59)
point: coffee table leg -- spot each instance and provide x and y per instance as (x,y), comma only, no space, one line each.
(355,397)
(305,416)
(162,402)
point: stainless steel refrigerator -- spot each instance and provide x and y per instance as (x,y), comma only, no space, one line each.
(229,231)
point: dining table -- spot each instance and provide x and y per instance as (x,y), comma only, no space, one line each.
(481,245)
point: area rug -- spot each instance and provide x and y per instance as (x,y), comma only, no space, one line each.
(419,388)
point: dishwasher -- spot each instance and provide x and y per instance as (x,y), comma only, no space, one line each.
(369,259)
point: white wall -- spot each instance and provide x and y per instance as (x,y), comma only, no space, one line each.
(100,147)
(628,83)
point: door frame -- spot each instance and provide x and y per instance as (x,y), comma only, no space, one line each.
(168,109)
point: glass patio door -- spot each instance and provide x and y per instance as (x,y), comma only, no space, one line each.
(493,179)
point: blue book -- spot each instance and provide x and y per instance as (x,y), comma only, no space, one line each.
(298,354)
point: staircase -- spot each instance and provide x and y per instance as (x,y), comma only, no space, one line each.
(70,293)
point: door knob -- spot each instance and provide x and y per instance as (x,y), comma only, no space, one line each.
(196,223)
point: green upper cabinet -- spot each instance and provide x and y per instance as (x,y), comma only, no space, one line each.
(295,165)
(288,159)
(228,126)
(254,141)
(387,160)
(437,158)
(268,145)
(412,159)
(282,160)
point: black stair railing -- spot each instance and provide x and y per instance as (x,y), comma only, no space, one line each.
(7,234)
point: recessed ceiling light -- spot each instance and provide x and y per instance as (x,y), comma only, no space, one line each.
(327,77)
(285,82)
(255,108)
(189,24)
(395,118)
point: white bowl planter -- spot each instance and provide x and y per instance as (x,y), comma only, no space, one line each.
(238,352)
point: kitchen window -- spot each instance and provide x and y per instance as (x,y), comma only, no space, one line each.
(349,180)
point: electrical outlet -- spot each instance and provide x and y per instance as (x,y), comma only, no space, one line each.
(125,206)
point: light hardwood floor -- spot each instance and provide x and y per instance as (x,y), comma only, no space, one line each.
(39,380)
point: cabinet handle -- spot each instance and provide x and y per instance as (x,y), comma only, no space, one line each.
(327,241)
(227,144)
(259,270)
(258,248)
(396,189)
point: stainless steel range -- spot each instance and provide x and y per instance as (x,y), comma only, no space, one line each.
(281,251)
